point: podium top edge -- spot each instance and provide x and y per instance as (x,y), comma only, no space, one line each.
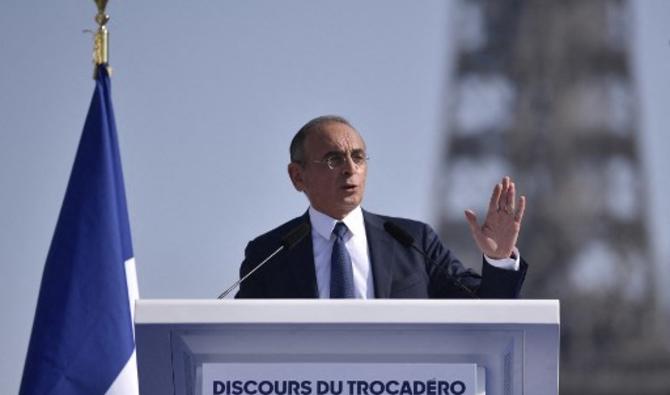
(457,311)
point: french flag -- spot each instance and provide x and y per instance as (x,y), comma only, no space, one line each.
(82,340)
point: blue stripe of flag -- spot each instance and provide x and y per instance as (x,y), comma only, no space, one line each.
(82,333)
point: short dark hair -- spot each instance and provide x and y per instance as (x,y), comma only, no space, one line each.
(297,148)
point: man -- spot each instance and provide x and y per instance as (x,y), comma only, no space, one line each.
(350,254)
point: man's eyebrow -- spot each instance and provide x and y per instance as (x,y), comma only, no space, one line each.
(331,153)
(343,153)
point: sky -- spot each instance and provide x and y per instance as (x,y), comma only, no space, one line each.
(207,96)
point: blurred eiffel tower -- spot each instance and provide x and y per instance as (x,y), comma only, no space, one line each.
(544,91)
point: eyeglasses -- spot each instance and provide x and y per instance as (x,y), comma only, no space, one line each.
(335,161)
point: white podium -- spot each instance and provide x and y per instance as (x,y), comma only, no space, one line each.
(261,347)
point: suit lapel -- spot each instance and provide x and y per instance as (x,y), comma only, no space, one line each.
(301,261)
(382,254)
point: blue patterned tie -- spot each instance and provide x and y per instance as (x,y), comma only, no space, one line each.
(341,274)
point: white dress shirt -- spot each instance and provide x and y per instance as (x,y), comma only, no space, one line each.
(356,243)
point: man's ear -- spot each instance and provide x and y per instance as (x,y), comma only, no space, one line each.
(295,172)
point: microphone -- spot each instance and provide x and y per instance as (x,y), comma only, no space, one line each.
(290,240)
(296,235)
(404,238)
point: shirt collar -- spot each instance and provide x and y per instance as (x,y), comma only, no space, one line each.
(324,224)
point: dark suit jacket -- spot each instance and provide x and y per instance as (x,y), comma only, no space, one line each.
(398,271)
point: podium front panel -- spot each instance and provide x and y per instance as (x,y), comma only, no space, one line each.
(513,343)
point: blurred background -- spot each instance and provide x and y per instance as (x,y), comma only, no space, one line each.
(568,97)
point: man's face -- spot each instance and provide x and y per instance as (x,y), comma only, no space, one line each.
(338,191)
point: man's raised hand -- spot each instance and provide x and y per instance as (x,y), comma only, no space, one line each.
(497,236)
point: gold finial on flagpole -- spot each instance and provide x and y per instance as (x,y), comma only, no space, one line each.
(100,41)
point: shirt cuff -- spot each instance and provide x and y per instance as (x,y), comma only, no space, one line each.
(506,263)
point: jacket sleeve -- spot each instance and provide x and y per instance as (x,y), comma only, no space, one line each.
(450,279)
(253,287)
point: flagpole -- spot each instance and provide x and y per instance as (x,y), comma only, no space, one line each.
(82,340)
(101,39)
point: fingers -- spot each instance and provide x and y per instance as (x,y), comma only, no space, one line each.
(505,182)
(506,197)
(520,210)
(472,221)
(494,203)
(476,231)
(503,199)
(510,196)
